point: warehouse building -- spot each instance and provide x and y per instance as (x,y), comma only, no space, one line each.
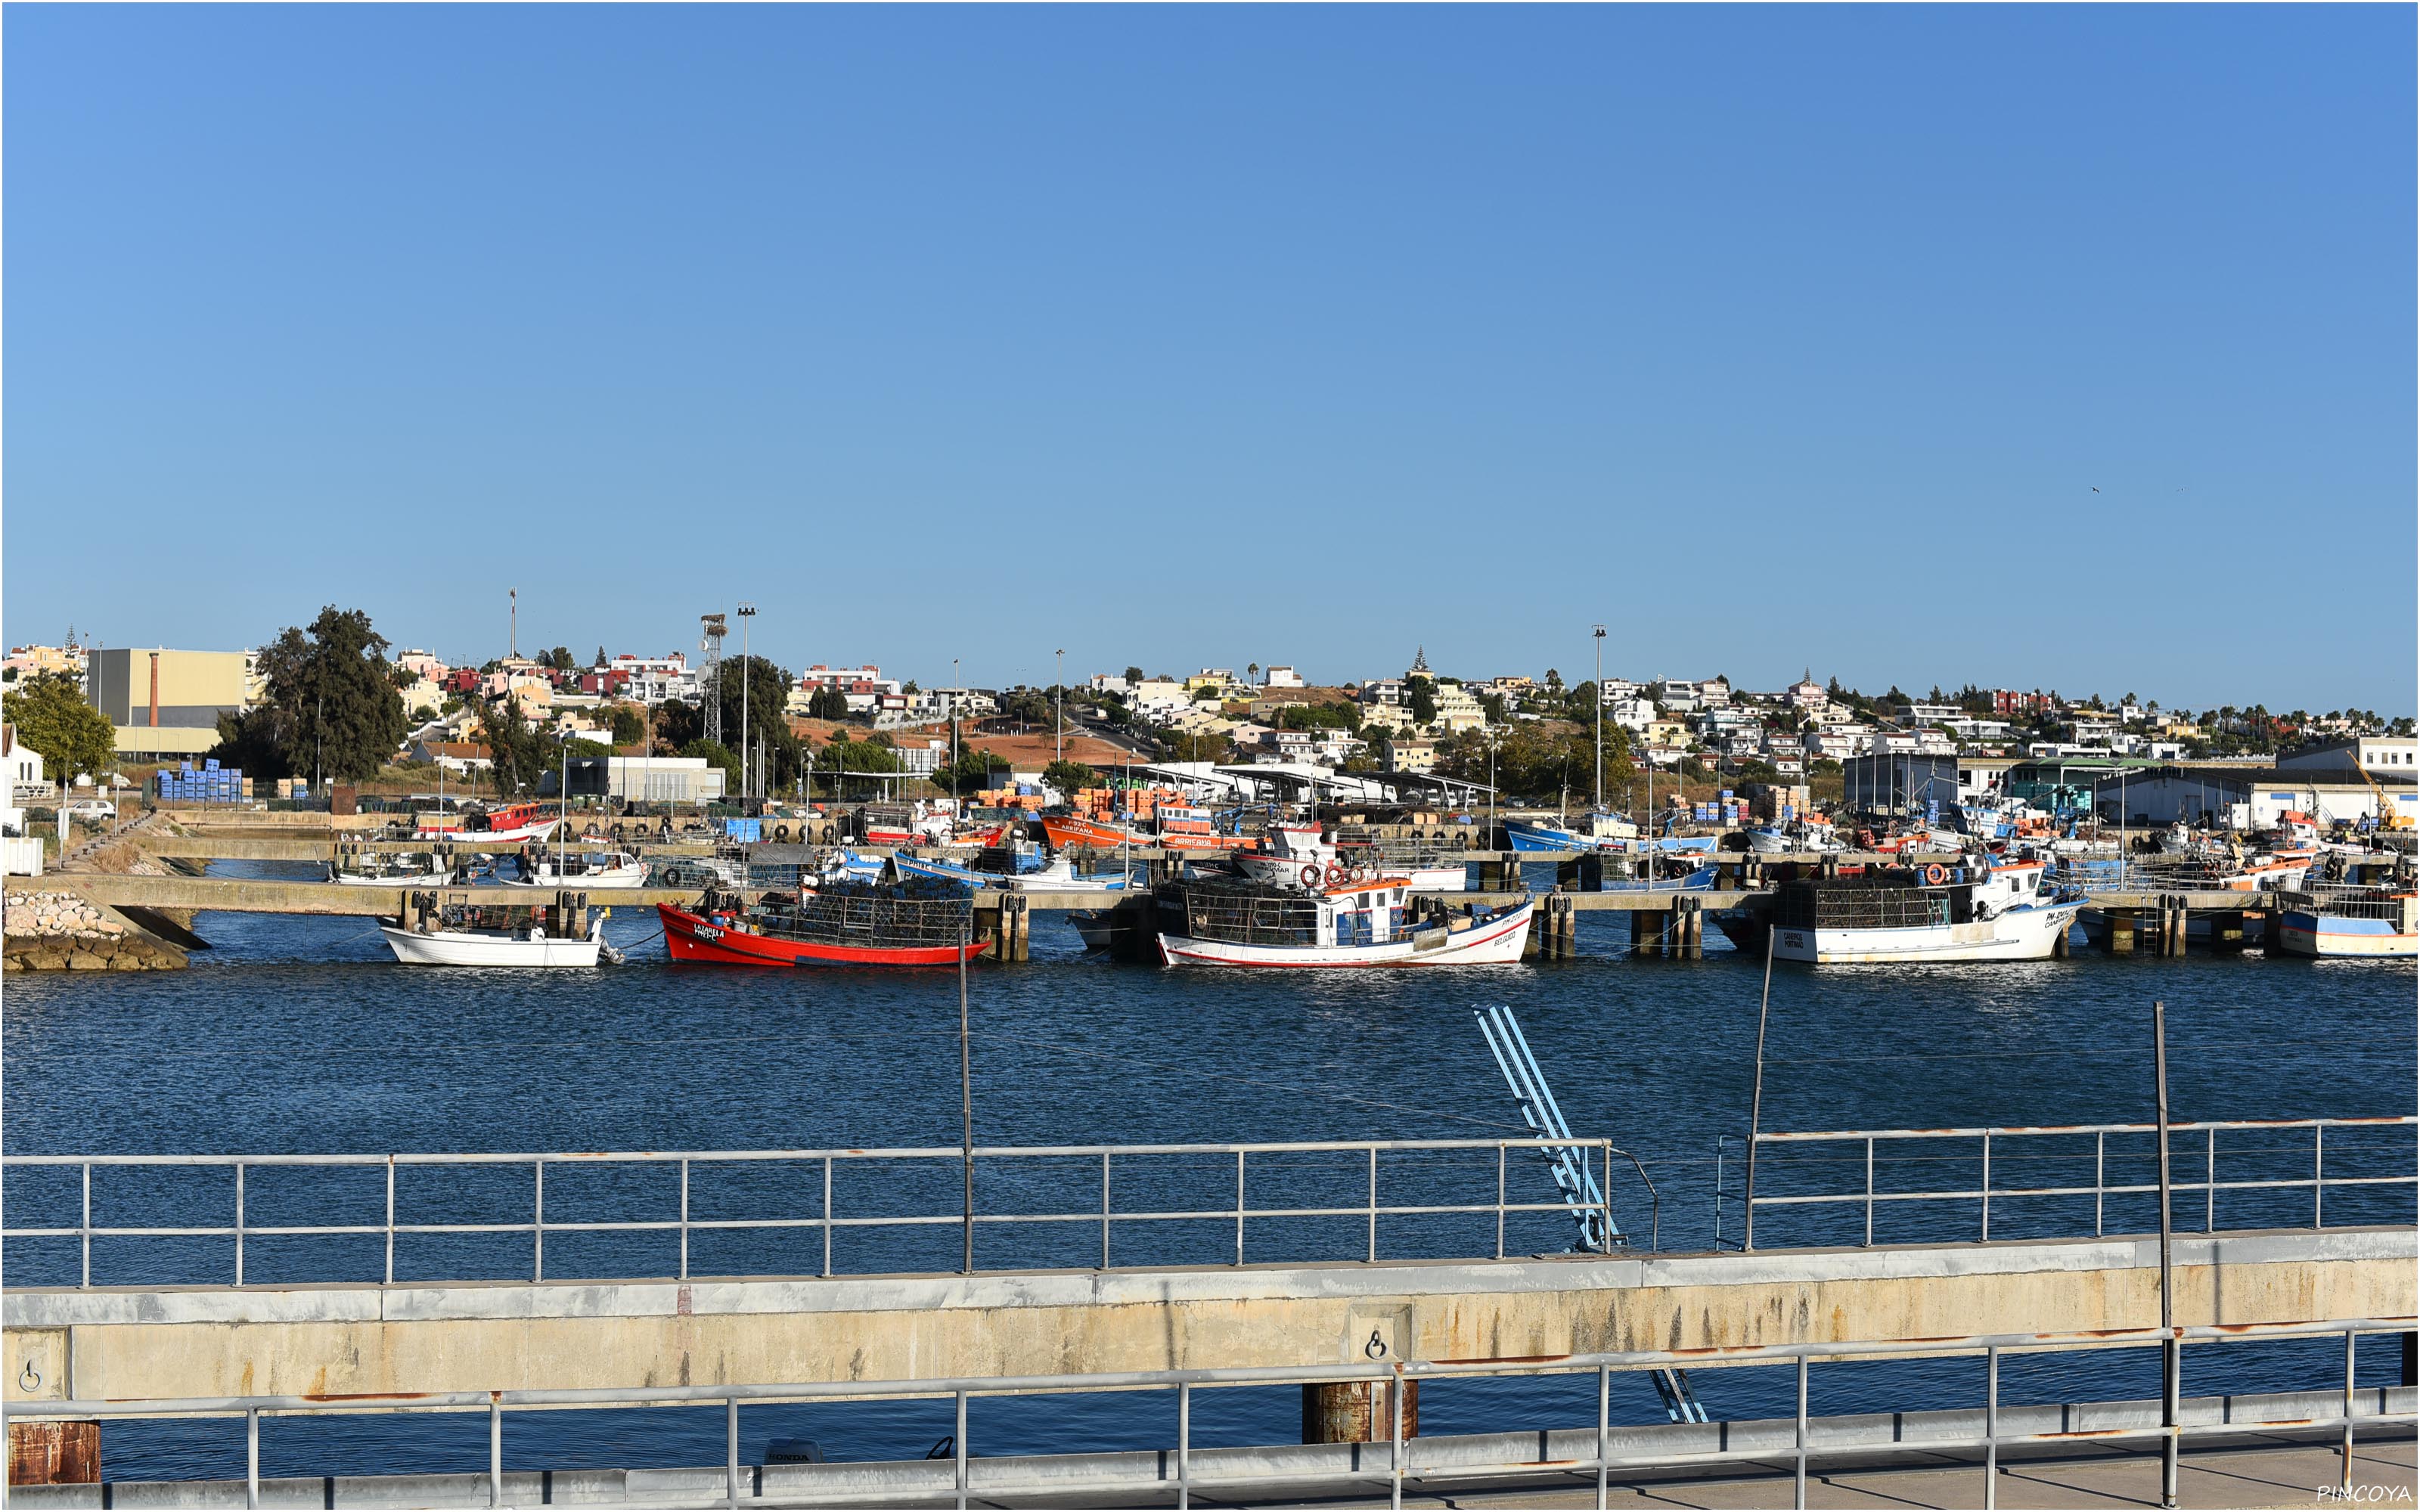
(2249,798)
(165,704)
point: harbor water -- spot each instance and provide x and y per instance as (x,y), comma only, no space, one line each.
(301,1035)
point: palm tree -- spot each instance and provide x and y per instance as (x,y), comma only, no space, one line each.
(1252,672)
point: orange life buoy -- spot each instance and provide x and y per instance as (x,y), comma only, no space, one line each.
(1310,875)
(1936,874)
(1337,876)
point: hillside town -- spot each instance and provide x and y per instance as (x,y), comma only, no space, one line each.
(1524,736)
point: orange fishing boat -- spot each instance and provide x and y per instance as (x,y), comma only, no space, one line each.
(1064,830)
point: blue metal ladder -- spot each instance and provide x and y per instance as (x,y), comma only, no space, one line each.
(1568,1167)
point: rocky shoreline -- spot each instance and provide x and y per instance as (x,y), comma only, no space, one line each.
(65,932)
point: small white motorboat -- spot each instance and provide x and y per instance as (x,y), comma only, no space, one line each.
(529,946)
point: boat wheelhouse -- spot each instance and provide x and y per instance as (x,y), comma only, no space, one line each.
(1235,922)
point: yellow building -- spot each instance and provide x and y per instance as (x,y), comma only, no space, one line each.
(163,702)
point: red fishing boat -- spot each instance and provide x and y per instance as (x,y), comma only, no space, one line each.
(917,922)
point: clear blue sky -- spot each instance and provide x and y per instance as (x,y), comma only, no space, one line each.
(1772,338)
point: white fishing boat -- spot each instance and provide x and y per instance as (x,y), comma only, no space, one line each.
(590,869)
(1978,911)
(530,946)
(1359,924)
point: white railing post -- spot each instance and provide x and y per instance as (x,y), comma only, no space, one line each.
(495,1449)
(2210,1185)
(2100,1179)
(828,1213)
(239,1223)
(252,1457)
(1869,1192)
(731,1448)
(1183,1446)
(389,1220)
(1800,1501)
(958,1450)
(1990,1427)
(2345,1478)
(538,1224)
(1987,1187)
(683,1218)
(1603,1427)
(1105,1210)
(1499,1200)
(2319,1175)
(1239,1207)
(85,1230)
(1374,1204)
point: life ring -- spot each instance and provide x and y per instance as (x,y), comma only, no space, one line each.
(831,832)
(1365,873)
(1336,874)
(1936,874)
(1310,875)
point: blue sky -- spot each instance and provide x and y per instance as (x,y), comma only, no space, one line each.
(1772,338)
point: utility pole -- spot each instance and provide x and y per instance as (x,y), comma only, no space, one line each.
(513,644)
(954,692)
(747,751)
(1596,716)
(1059,697)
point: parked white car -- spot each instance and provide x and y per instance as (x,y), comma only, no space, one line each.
(92,811)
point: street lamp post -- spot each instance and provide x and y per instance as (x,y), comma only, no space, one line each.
(747,771)
(1596,718)
(954,695)
(1059,699)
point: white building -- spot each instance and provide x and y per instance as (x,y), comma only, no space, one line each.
(23,764)
(648,778)
(652,680)
(1283,677)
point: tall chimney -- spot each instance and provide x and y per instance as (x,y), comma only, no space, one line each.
(155,691)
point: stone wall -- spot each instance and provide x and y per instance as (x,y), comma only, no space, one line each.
(65,932)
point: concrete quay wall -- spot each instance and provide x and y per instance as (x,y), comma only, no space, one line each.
(109,1342)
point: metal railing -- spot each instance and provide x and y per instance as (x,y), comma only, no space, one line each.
(1399,1465)
(2318,1181)
(827,1221)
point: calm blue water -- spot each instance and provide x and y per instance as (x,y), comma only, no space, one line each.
(301,1035)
